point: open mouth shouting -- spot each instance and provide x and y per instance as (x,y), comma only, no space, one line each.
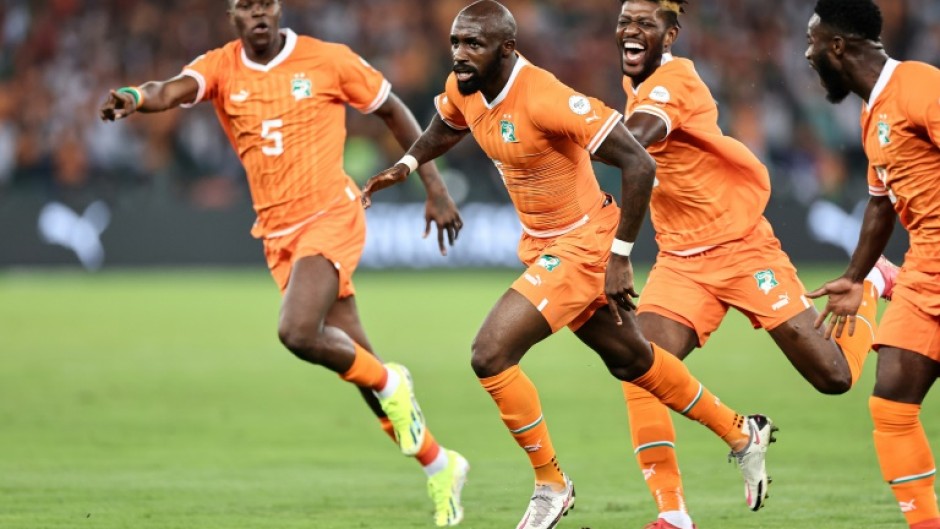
(634,53)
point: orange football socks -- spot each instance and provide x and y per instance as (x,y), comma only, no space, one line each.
(366,371)
(521,411)
(654,440)
(856,347)
(672,383)
(907,463)
(429,450)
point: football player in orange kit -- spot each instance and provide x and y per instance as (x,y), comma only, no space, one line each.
(901,136)
(716,249)
(281,99)
(576,243)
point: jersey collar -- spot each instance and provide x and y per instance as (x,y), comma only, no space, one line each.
(520,63)
(883,80)
(290,42)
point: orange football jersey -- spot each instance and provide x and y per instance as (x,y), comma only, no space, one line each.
(540,134)
(901,134)
(287,122)
(710,188)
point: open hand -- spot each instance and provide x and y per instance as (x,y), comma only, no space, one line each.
(441,210)
(387,178)
(845,297)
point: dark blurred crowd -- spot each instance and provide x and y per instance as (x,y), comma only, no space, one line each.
(58,58)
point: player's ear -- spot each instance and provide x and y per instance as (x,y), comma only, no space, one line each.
(508,47)
(671,35)
(837,45)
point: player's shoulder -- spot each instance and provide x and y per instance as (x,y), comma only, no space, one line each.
(221,55)
(334,51)
(916,72)
(677,67)
(540,86)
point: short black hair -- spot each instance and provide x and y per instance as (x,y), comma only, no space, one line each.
(861,18)
(672,17)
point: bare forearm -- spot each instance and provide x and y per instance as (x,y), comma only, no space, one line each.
(404,127)
(164,95)
(436,140)
(638,171)
(876,231)
(637,187)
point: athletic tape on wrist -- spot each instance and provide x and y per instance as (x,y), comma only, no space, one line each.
(622,248)
(410,161)
(135,93)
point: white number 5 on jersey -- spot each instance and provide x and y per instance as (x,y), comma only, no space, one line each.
(269,133)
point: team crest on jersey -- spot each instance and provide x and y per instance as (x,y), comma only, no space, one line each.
(301,87)
(549,262)
(508,131)
(579,104)
(884,133)
(766,280)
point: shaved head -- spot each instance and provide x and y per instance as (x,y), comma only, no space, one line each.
(494,19)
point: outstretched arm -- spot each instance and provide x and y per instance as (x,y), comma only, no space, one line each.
(153,96)
(437,139)
(638,170)
(845,292)
(440,208)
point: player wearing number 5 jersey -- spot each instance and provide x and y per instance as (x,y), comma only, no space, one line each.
(901,136)
(281,100)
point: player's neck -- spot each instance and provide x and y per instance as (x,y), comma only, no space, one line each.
(867,68)
(494,88)
(265,54)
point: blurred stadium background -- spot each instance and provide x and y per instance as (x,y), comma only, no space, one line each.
(73,188)
(152,395)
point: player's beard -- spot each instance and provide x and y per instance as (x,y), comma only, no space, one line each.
(836,88)
(650,63)
(475,83)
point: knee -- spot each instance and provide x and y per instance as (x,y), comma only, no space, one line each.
(486,358)
(832,381)
(305,341)
(633,359)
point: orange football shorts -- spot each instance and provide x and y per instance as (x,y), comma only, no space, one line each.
(565,274)
(751,274)
(912,319)
(339,235)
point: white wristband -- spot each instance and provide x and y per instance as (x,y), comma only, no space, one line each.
(410,161)
(621,248)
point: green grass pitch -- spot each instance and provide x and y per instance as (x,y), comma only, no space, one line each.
(162,399)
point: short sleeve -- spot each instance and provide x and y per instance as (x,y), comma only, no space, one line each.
(558,110)
(669,94)
(446,105)
(876,186)
(921,99)
(361,85)
(205,69)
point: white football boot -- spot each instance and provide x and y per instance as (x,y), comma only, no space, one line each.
(546,507)
(751,460)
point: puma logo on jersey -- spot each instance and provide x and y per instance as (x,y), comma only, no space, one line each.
(907,506)
(592,118)
(240,97)
(649,472)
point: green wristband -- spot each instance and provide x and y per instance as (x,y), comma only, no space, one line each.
(134,92)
